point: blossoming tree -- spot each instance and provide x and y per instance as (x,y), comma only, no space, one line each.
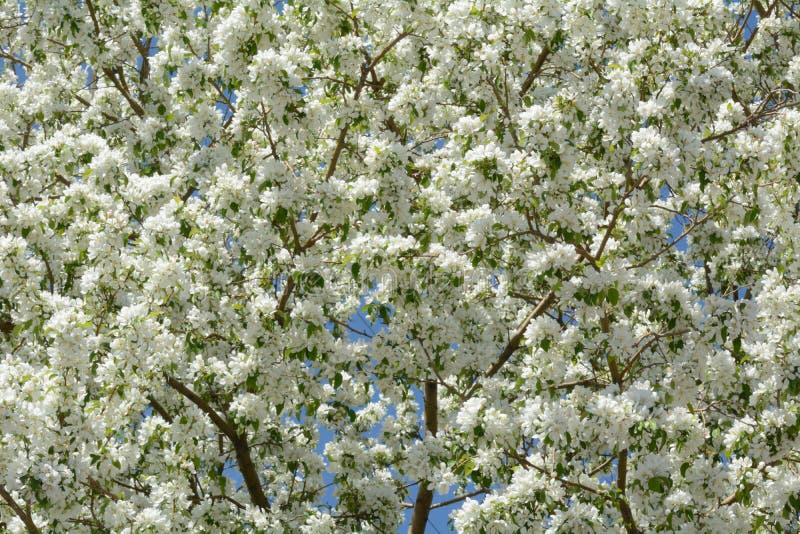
(570,229)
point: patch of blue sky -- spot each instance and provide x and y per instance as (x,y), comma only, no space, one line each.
(678,225)
(17,67)
(201,10)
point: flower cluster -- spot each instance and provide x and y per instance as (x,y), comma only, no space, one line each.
(307,266)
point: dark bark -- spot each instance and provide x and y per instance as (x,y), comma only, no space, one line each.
(422,506)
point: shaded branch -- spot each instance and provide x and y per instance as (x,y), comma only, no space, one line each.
(515,341)
(656,337)
(122,88)
(365,69)
(239,441)
(422,506)
(159,409)
(280,311)
(566,483)
(672,243)
(622,504)
(534,73)
(23,515)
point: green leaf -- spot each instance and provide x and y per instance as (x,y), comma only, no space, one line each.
(252,381)
(314,279)
(659,484)
(685,467)
(612,295)
(751,216)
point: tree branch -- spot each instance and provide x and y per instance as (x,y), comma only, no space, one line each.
(93,15)
(337,151)
(159,409)
(239,441)
(280,310)
(535,70)
(592,382)
(387,48)
(221,423)
(672,243)
(515,341)
(566,483)
(620,208)
(422,506)
(122,88)
(24,516)
(624,507)
(656,337)
(459,499)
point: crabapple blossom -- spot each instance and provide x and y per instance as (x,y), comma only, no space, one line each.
(325,266)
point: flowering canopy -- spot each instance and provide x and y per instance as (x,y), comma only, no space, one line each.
(570,230)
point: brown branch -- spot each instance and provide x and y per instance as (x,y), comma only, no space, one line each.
(459,499)
(187,195)
(93,14)
(602,466)
(519,334)
(515,341)
(239,441)
(225,98)
(350,328)
(736,495)
(503,103)
(656,337)
(422,506)
(337,151)
(747,486)
(763,14)
(144,489)
(439,377)
(14,59)
(144,51)
(122,88)
(23,515)
(584,382)
(284,300)
(767,108)
(535,70)
(268,132)
(672,243)
(223,424)
(159,409)
(96,486)
(740,27)
(620,208)
(624,508)
(567,483)
(49,273)
(387,48)
(105,114)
